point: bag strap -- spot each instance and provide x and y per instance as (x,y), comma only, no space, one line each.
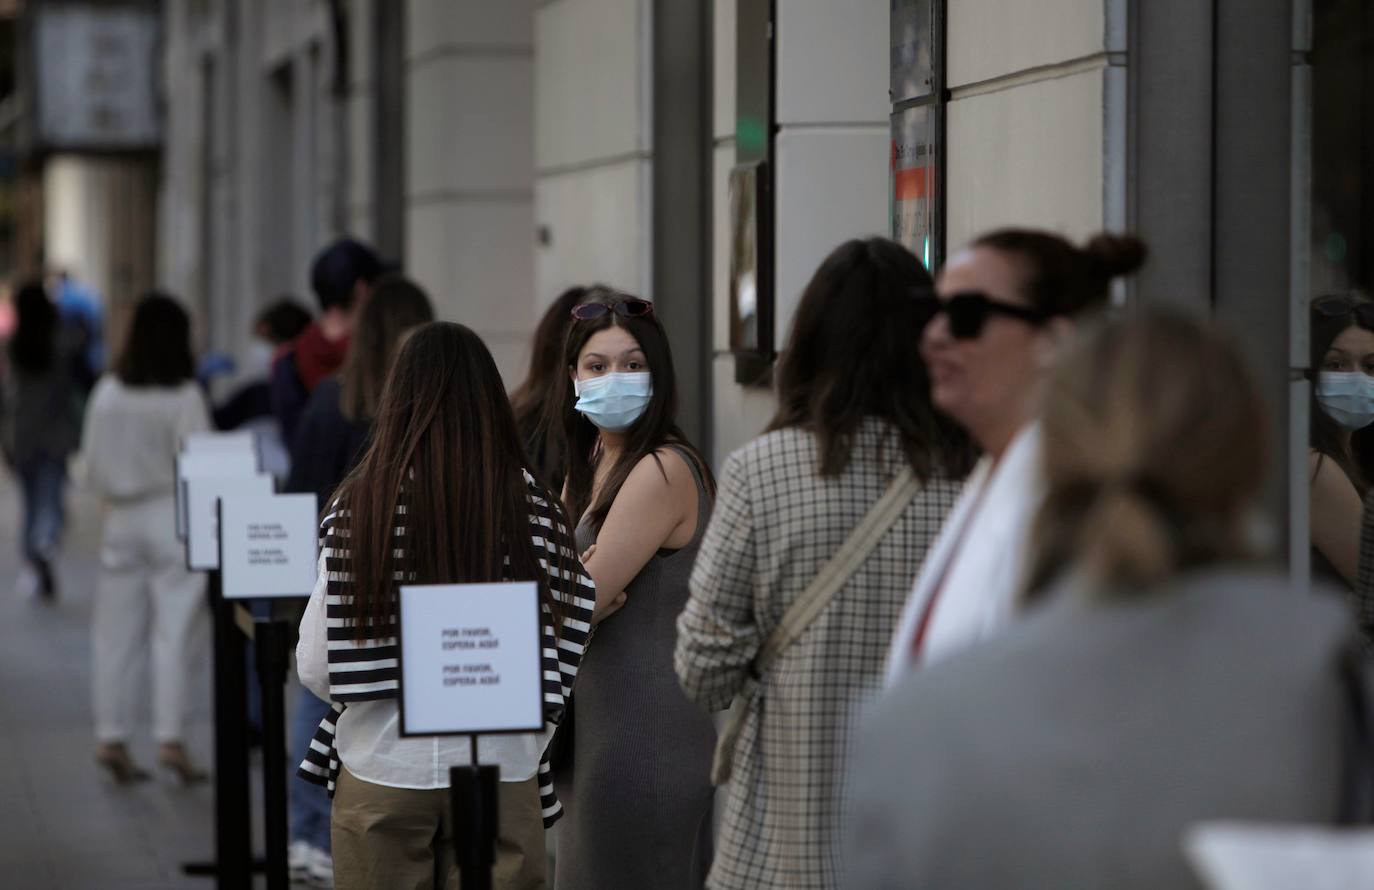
(832,576)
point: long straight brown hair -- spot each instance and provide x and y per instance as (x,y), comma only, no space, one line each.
(394,307)
(444,447)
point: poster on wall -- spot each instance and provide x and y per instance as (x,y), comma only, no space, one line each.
(912,40)
(914,181)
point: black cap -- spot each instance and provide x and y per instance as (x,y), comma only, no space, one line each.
(340,266)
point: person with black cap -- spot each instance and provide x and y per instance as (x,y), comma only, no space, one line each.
(342,277)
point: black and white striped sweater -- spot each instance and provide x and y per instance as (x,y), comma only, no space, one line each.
(368,670)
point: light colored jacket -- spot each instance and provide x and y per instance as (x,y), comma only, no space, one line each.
(979,563)
(775,525)
(1076,748)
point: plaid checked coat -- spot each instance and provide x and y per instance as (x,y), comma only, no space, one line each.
(775,525)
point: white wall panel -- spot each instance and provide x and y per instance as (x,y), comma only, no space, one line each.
(474,260)
(991,38)
(1031,155)
(469,129)
(723,62)
(831,186)
(723,161)
(832,61)
(741,413)
(599,224)
(593,81)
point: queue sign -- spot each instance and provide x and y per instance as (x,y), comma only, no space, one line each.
(268,545)
(470,659)
(216,461)
(202,513)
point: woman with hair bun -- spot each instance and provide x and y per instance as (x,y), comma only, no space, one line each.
(1159,680)
(1003,307)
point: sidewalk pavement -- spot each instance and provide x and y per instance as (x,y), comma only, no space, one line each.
(64,825)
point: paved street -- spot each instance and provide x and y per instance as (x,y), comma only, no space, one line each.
(63,823)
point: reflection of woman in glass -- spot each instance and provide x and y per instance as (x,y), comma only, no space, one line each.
(1342,406)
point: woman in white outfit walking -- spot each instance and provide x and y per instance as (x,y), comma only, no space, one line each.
(147,599)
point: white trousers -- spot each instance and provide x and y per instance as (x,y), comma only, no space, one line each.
(147,601)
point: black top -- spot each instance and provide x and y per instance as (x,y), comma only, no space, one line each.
(327,445)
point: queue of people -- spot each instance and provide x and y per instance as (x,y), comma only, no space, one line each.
(984,602)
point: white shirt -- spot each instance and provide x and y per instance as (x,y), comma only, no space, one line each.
(132,436)
(982,555)
(368,739)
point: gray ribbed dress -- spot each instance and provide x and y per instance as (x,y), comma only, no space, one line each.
(633,773)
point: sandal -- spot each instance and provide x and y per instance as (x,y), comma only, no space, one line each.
(121,766)
(173,757)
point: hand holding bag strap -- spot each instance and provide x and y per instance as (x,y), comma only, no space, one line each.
(818,594)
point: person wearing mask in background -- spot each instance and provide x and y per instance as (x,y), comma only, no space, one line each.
(1158,681)
(40,426)
(633,765)
(342,277)
(1004,306)
(250,406)
(146,598)
(1341,410)
(330,440)
(855,429)
(533,400)
(442,491)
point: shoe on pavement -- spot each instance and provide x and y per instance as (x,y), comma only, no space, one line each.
(321,870)
(298,859)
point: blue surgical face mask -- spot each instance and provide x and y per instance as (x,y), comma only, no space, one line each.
(1347,397)
(613,402)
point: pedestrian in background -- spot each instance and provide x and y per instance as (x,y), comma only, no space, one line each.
(1340,414)
(633,764)
(342,277)
(1005,305)
(146,598)
(855,431)
(440,497)
(330,440)
(534,400)
(1160,680)
(40,426)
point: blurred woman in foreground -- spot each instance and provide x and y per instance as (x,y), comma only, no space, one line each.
(1163,682)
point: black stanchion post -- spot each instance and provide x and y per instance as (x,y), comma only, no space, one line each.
(473,795)
(233,841)
(270,638)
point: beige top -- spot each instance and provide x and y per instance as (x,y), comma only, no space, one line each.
(132,435)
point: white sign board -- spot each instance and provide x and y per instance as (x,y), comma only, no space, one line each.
(202,513)
(233,462)
(268,545)
(471,659)
(237,441)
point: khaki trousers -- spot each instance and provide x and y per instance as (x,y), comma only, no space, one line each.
(391,838)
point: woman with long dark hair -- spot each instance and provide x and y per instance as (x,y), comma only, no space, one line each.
(146,599)
(441,496)
(1341,411)
(330,439)
(534,398)
(40,426)
(634,762)
(854,423)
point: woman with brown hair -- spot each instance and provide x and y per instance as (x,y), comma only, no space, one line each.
(534,399)
(633,764)
(854,424)
(441,496)
(1161,679)
(1004,306)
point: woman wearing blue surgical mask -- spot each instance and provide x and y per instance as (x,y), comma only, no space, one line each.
(632,766)
(1342,412)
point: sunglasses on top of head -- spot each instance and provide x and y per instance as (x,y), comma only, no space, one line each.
(1340,307)
(631,308)
(968,312)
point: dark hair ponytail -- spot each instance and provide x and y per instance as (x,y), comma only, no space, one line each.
(1062,279)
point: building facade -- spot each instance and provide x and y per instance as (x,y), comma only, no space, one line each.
(506,149)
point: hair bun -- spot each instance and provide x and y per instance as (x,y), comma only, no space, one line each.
(1116,255)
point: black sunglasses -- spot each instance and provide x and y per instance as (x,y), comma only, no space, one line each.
(1341,307)
(624,308)
(968,312)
